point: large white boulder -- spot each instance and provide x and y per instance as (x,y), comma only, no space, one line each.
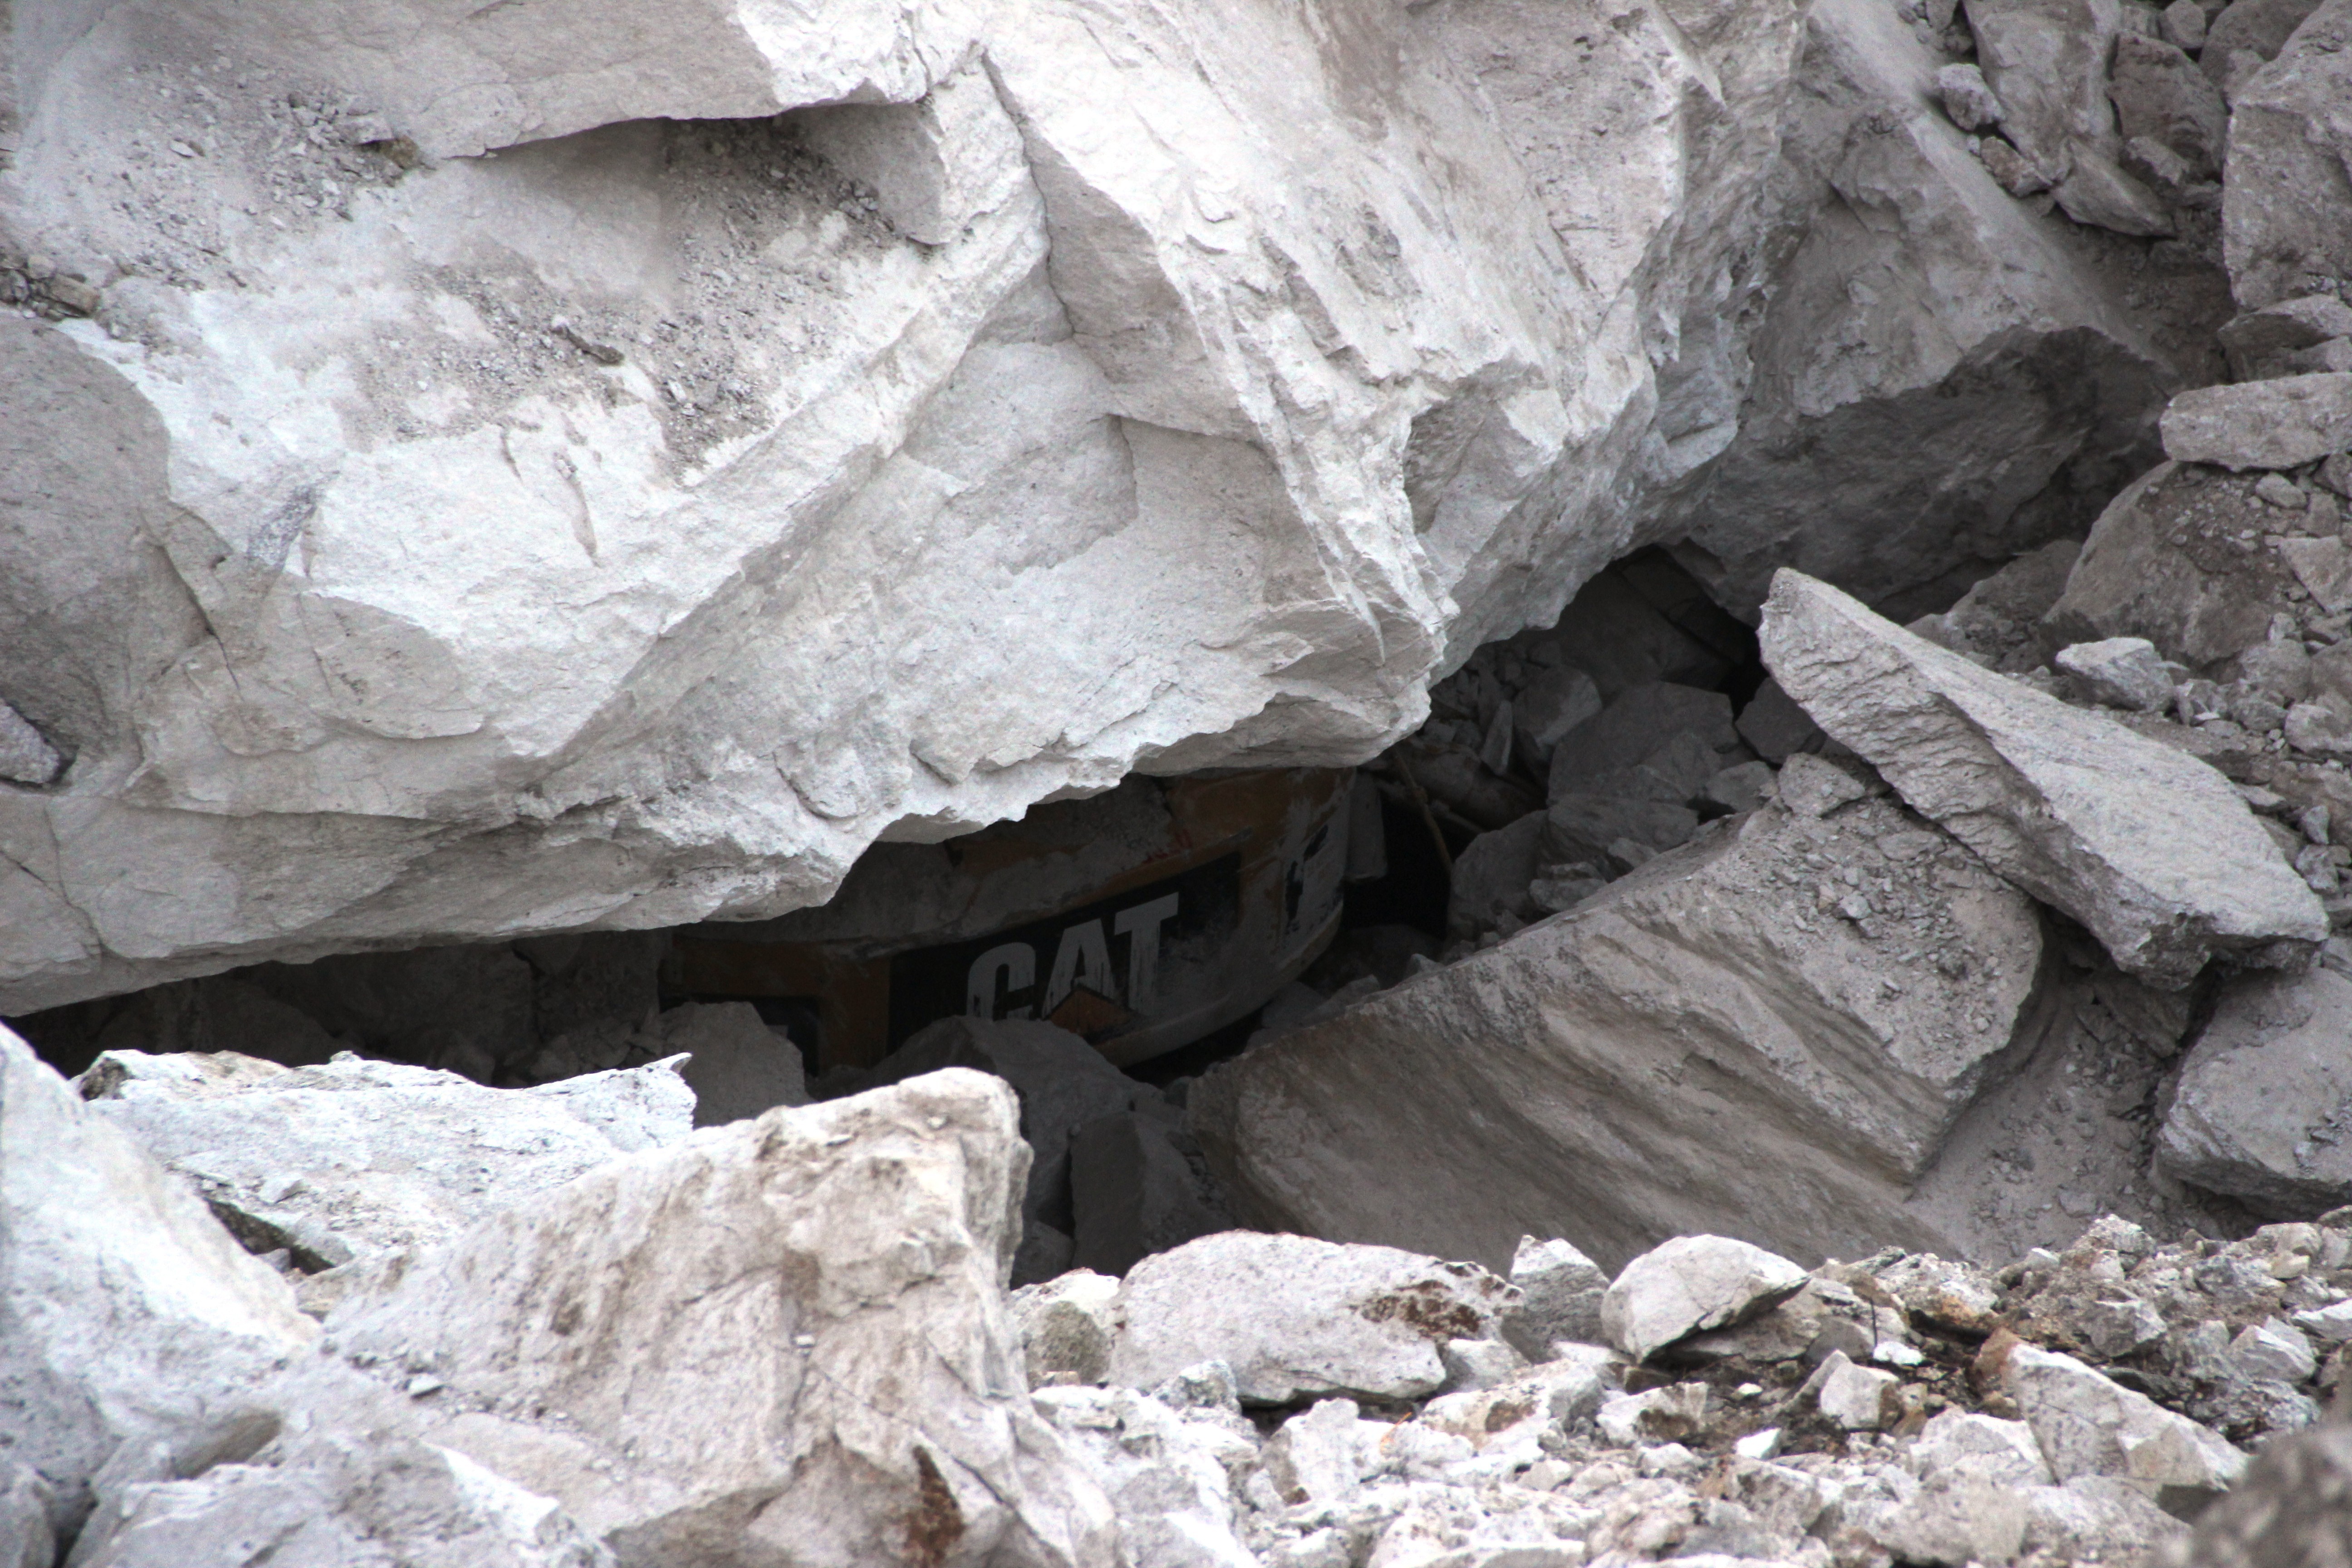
(787,1336)
(356,1156)
(614,486)
(2148,847)
(129,1317)
(1295,1317)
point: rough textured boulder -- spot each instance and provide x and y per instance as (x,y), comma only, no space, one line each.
(2293,1510)
(820,1364)
(2149,848)
(2088,1424)
(1691,1284)
(129,1317)
(345,1503)
(2202,601)
(1011,297)
(1926,340)
(2258,1110)
(354,1157)
(727,307)
(1295,1317)
(2280,424)
(2286,207)
(1816,996)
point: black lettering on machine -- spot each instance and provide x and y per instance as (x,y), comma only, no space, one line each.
(1096,971)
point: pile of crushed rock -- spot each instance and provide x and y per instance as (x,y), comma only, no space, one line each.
(627,1341)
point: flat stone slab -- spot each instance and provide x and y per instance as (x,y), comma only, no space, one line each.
(2280,424)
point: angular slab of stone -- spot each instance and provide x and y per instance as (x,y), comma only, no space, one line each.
(355,1156)
(2089,1424)
(1561,1291)
(812,1306)
(2281,423)
(2286,207)
(1736,1005)
(129,1315)
(2122,672)
(2258,1110)
(346,1500)
(2200,600)
(2152,851)
(1296,1318)
(1689,1285)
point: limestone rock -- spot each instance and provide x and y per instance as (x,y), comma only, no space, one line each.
(1962,91)
(1980,318)
(1691,1284)
(1550,706)
(1587,1026)
(1132,1192)
(355,1157)
(738,1066)
(814,1302)
(2199,601)
(27,1537)
(1168,1467)
(2280,424)
(736,303)
(1560,1292)
(1491,876)
(2255,1113)
(2159,93)
(1855,1397)
(2087,1425)
(1997,622)
(2260,340)
(1984,1448)
(1774,727)
(2151,850)
(2290,1506)
(337,1502)
(1297,1317)
(130,1318)
(25,757)
(1067,1327)
(2122,672)
(2286,207)
(1643,721)
(1063,1082)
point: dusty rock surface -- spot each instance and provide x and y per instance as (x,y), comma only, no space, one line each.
(1015,301)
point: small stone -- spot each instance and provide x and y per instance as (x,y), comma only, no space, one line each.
(1661,1416)
(1475,1365)
(1761,1444)
(1744,786)
(1814,789)
(1560,1290)
(2324,566)
(2281,492)
(2270,1349)
(2183,24)
(2121,672)
(1691,1284)
(2011,169)
(1966,98)
(1855,1396)
(424,1383)
(1066,1325)
(2332,1324)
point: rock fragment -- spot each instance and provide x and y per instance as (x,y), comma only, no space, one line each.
(26,755)
(1295,1316)
(2150,849)
(813,1303)
(2122,672)
(130,1317)
(2087,1425)
(1561,1291)
(1066,1326)
(1691,1284)
(2258,1113)
(354,1157)
(2280,424)
(1965,96)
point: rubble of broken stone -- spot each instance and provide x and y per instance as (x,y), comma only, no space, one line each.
(794,1334)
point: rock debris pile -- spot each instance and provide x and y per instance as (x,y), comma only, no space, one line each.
(789,1337)
(1861,486)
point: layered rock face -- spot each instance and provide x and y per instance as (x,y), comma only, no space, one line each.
(538,492)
